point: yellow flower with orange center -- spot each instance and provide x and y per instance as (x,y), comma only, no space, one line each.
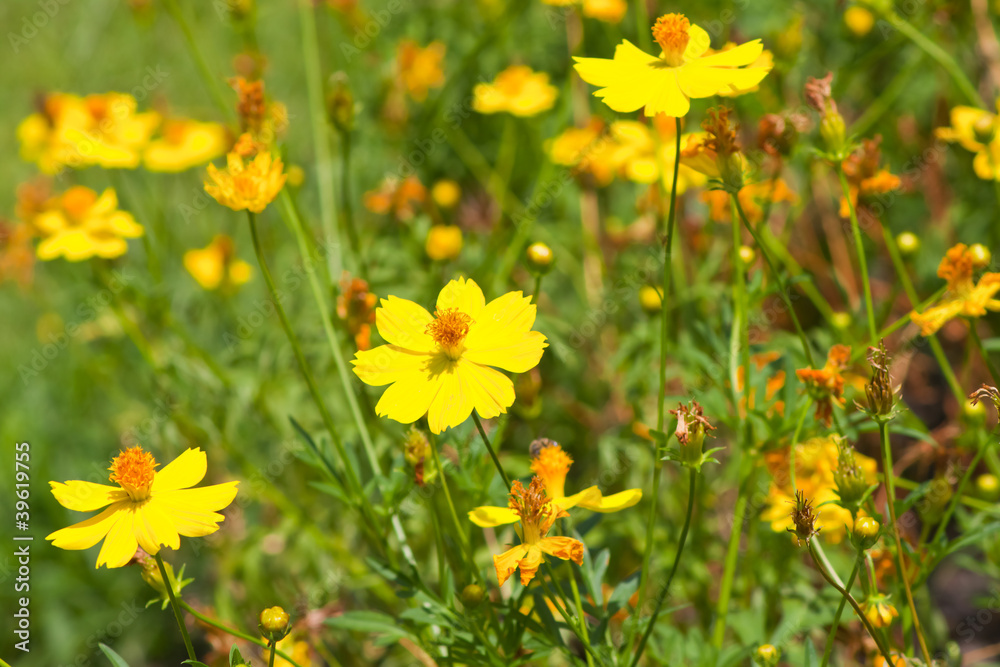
(79,225)
(978,131)
(217,265)
(965,297)
(185,144)
(441,365)
(246,185)
(420,68)
(517,90)
(551,464)
(537,514)
(147,509)
(826,385)
(635,80)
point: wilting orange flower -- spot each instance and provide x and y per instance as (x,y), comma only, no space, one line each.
(356,306)
(420,68)
(185,144)
(537,514)
(865,177)
(965,298)
(826,385)
(79,225)
(396,197)
(752,199)
(517,90)
(246,185)
(216,265)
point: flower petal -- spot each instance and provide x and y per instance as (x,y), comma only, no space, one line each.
(465,295)
(502,335)
(453,402)
(193,511)
(402,322)
(562,547)
(698,43)
(153,527)
(738,56)
(632,80)
(183,472)
(698,81)
(489,391)
(668,97)
(488,517)
(408,399)
(590,495)
(614,502)
(86,496)
(120,544)
(387,364)
(530,563)
(87,533)
(507,562)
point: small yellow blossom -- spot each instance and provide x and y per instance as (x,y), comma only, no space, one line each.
(147,509)
(965,298)
(443,242)
(446,193)
(420,68)
(635,80)
(977,131)
(217,265)
(517,90)
(185,144)
(879,611)
(246,185)
(441,365)
(859,20)
(79,225)
(297,649)
(536,514)
(551,464)
(609,11)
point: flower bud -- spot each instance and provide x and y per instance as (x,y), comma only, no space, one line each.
(932,505)
(416,451)
(859,20)
(879,393)
(980,255)
(866,531)
(776,135)
(803,518)
(540,258)
(446,193)
(444,242)
(984,129)
(909,243)
(819,96)
(747,255)
(650,298)
(878,610)
(692,427)
(841,320)
(274,623)
(766,655)
(988,487)
(850,481)
(473,595)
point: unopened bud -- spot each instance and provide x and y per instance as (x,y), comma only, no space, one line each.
(340,103)
(988,487)
(878,391)
(747,255)
(274,623)
(650,298)
(980,255)
(766,655)
(540,258)
(841,320)
(473,596)
(866,530)
(848,478)
(909,243)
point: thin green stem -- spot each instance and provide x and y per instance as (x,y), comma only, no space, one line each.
(795,441)
(859,247)
(489,448)
(538,288)
(890,489)
(584,631)
(957,495)
(828,651)
(273,646)
(982,351)
(211,81)
(665,591)
(346,206)
(231,631)
(732,553)
(168,584)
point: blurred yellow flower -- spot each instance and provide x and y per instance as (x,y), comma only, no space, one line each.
(965,298)
(609,11)
(978,131)
(585,149)
(446,193)
(444,242)
(635,80)
(859,20)
(440,365)
(551,464)
(79,225)
(185,144)
(147,508)
(216,264)
(536,514)
(17,256)
(517,90)
(879,611)
(296,648)
(249,185)
(420,68)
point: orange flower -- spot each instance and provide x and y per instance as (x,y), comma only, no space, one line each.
(420,68)
(865,178)
(752,198)
(396,197)
(965,297)
(826,385)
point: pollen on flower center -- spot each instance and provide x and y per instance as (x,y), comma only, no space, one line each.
(449,328)
(133,470)
(671,33)
(531,504)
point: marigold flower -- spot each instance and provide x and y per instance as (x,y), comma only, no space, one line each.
(977,131)
(397,197)
(537,514)
(441,365)
(246,185)
(420,68)
(517,90)
(216,264)
(79,225)
(878,610)
(635,80)
(551,463)
(148,508)
(356,306)
(443,242)
(185,144)
(965,298)
(826,385)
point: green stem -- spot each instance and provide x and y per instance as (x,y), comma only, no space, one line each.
(664,592)
(828,651)
(890,489)
(859,247)
(273,646)
(795,441)
(199,60)
(732,555)
(982,351)
(176,606)
(489,448)
(957,495)
(231,631)
(584,631)
(347,207)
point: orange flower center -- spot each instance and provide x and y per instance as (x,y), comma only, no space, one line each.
(77,201)
(551,464)
(671,33)
(532,505)
(449,328)
(134,470)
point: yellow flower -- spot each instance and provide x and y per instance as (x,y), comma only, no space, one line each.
(444,242)
(878,610)
(420,68)
(246,185)
(609,11)
(765,60)
(550,464)
(965,297)
(537,515)
(296,648)
(859,20)
(635,80)
(185,144)
(517,90)
(147,508)
(643,155)
(978,131)
(79,225)
(216,264)
(440,365)
(446,193)
(585,149)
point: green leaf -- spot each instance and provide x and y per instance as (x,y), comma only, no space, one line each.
(370,622)
(235,657)
(811,659)
(971,538)
(115,659)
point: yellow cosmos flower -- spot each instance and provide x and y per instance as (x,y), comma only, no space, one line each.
(537,515)
(248,185)
(420,68)
(965,298)
(517,90)
(444,242)
(185,144)
(216,264)
(550,464)
(440,365)
(635,80)
(147,509)
(978,131)
(79,225)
